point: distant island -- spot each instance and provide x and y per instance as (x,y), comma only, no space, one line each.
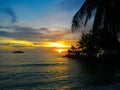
(18,52)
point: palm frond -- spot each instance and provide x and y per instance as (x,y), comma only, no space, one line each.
(83,14)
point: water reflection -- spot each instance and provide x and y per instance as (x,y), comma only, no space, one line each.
(39,71)
(97,74)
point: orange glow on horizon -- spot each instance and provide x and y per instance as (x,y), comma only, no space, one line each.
(56,44)
(15,44)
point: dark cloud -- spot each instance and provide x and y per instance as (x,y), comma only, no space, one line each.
(32,34)
(7,18)
(4,33)
(1,27)
(18,32)
(44,29)
(9,12)
(25,30)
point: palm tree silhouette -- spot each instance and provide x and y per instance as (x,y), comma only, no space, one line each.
(106,19)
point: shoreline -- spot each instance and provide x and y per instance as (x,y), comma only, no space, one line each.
(102,59)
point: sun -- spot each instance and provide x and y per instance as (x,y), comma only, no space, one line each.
(61,50)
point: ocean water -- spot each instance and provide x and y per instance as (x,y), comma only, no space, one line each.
(49,71)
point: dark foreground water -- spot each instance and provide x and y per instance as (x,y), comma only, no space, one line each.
(36,71)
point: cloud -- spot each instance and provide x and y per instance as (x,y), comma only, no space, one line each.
(11,13)
(21,37)
(37,35)
(7,17)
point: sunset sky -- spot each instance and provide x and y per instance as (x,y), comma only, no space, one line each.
(30,24)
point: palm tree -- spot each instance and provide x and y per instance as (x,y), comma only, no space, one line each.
(88,44)
(106,18)
(72,50)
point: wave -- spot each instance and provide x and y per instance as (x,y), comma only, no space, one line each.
(32,65)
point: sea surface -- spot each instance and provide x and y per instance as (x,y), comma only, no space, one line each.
(50,71)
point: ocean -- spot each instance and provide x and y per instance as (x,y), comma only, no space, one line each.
(50,71)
